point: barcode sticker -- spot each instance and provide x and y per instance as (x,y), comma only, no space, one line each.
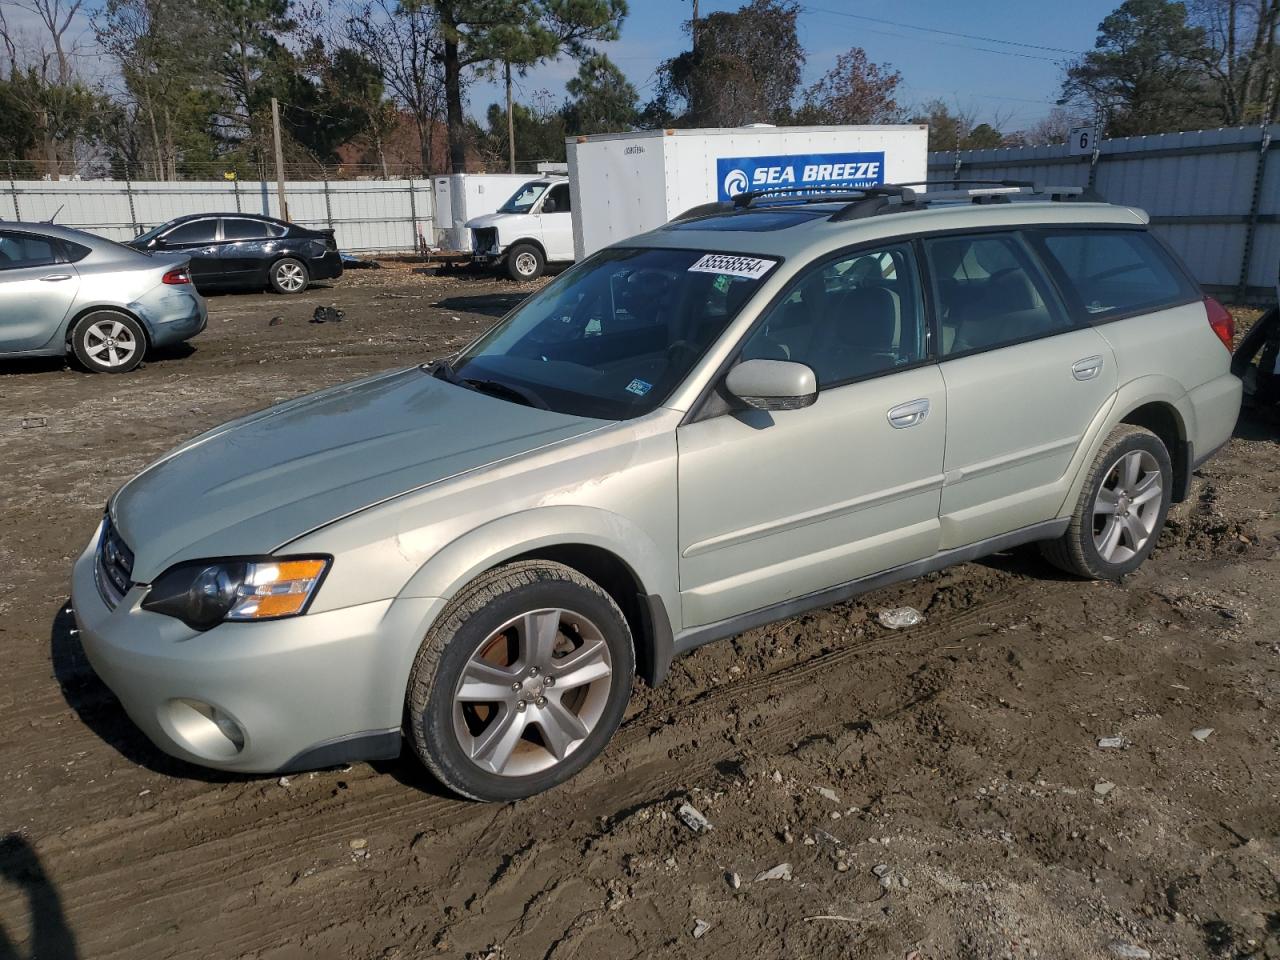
(753,268)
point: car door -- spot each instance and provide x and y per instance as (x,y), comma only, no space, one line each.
(197,239)
(777,505)
(37,289)
(1024,383)
(556,223)
(242,251)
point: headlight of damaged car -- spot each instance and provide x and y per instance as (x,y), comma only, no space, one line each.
(204,593)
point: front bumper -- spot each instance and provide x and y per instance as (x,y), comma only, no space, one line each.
(267,697)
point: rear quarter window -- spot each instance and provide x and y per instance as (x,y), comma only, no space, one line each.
(1110,273)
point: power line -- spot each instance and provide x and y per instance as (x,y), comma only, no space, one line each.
(948,33)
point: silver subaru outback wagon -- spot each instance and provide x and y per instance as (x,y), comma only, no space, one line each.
(759,408)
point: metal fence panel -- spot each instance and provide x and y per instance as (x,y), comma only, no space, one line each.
(368,216)
(1201,188)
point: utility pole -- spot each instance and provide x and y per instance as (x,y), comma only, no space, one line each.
(275,126)
(511,123)
(693,36)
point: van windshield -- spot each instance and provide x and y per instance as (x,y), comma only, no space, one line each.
(614,336)
(522,200)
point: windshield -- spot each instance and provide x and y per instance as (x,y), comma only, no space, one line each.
(522,200)
(149,235)
(614,336)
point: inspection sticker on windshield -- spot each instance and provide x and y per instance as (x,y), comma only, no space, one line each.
(753,268)
(639,387)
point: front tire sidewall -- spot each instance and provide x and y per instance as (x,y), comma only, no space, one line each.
(88,362)
(432,728)
(1100,568)
(525,250)
(275,283)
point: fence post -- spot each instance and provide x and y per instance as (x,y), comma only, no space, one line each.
(328,208)
(1251,225)
(235,188)
(413,217)
(128,189)
(13,192)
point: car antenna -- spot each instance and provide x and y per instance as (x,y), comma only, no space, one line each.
(55,214)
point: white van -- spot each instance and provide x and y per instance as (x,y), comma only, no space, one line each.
(532,229)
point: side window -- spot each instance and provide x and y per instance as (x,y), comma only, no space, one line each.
(989,292)
(234,228)
(1116,271)
(558,200)
(849,318)
(195,231)
(19,250)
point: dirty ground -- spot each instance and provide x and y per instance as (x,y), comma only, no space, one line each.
(938,791)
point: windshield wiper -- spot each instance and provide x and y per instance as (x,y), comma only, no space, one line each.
(493,387)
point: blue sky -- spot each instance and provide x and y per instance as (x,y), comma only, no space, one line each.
(1018,82)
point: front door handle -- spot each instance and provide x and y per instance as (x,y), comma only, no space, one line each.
(1086,369)
(908,414)
(56,276)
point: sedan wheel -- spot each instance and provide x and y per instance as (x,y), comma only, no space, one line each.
(520,682)
(289,276)
(108,342)
(1127,507)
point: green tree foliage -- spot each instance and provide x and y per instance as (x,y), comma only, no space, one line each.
(744,67)
(539,131)
(855,90)
(330,98)
(601,99)
(956,129)
(1147,73)
(482,35)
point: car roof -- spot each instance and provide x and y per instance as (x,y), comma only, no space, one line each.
(52,230)
(807,229)
(228,213)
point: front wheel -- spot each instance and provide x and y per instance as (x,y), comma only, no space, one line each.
(289,276)
(525,262)
(521,682)
(108,342)
(1121,510)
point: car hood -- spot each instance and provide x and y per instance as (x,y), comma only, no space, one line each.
(493,220)
(250,486)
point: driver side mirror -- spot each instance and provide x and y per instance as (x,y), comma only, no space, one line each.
(773,384)
(159,243)
(549,206)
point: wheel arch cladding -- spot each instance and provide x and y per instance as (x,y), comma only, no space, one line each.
(1164,420)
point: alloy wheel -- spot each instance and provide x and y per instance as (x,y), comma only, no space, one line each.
(110,343)
(290,277)
(1127,507)
(532,692)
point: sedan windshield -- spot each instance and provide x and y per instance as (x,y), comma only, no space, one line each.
(614,336)
(522,200)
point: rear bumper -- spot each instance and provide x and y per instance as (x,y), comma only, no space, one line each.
(172,314)
(327,267)
(1217,407)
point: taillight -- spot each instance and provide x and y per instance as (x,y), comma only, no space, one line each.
(177,275)
(1224,325)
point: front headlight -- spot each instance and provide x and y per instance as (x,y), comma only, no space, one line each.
(204,593)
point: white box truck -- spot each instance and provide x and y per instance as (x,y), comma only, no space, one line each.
(460,197)
(627,183)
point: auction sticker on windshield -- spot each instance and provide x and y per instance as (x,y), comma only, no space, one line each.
(753,268)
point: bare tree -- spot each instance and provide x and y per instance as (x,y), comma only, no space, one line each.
(404,42)
(1243,37)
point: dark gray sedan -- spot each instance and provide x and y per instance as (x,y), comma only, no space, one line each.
(65,291)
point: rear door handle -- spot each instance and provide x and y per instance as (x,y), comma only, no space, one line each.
(908,414)
(56,276)
(1086,369)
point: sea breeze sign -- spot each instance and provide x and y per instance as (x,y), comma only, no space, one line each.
(735,175)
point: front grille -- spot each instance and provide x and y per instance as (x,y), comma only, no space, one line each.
(484,240)
(114,568)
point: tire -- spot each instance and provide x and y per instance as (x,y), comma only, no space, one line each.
(106,341)
(1113,529)
(494,749)
(289,276)
(525,262)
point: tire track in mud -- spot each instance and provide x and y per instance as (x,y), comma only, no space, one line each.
(194,870)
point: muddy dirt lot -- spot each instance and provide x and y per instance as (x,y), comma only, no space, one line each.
(936,792)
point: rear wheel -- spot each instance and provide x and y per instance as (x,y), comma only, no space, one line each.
(1121,510)
(289,276)
(525,262)
(108,342)
(521,682)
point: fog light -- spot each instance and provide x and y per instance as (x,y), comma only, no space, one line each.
(203,729)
